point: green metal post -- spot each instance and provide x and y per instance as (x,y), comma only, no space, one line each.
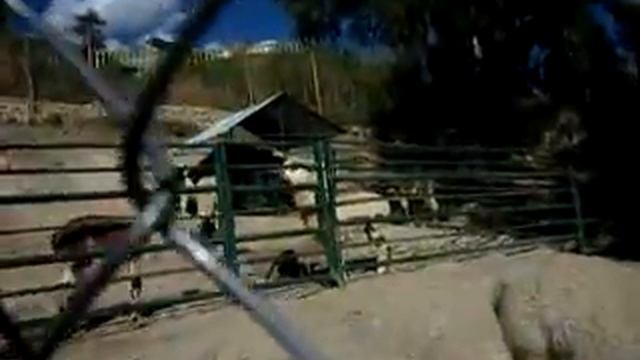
(225,207)
(326,204)
(577,203)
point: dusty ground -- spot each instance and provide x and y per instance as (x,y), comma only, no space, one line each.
(548,303)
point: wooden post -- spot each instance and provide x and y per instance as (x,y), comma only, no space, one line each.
(247,76)
(326,204)
(316,82)
(31,85)
(225,206)
(90,45)
(577,203)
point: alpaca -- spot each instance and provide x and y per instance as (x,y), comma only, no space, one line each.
(354,204)
(383,249)
(288,266)
(196,205)
(83,235)
(422,204)
(304,200)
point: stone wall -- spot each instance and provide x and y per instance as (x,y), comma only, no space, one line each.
(15,110)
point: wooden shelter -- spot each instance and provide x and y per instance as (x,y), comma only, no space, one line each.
(259,135)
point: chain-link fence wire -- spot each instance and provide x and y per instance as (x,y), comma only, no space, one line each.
(155,206)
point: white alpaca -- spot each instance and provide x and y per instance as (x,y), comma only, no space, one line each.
(359,204)
(383,249)
(296,175)
(207,203)
(422,201)
(353,205)
(432,202)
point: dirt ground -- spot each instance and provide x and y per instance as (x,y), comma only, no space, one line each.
(551,306)
(540,305)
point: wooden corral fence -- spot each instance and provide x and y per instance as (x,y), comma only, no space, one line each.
(378,208)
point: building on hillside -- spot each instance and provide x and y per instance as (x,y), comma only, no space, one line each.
(274,46)
(264,47)
(259,134)
(139,61)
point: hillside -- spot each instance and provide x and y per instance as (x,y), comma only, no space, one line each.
(348,89)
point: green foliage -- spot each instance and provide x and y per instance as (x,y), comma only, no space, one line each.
(4,12)
(438,85)
(436,69)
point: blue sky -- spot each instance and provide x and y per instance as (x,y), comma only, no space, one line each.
(129,21)
(253,20)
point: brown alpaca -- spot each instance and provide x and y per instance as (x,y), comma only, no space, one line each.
(83,235)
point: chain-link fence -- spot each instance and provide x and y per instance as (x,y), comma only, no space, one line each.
(324,212)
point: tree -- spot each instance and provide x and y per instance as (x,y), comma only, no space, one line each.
(89,28)
(438,66)
(3,16)
(474,66)
(476,59)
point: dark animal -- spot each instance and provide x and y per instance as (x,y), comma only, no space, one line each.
(288,266)
(188,203)
(83,235)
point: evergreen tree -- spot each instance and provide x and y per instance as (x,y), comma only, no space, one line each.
(88,27)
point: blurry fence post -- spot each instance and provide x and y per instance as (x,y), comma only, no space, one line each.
(225,207)
(326,205)
(577,204)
